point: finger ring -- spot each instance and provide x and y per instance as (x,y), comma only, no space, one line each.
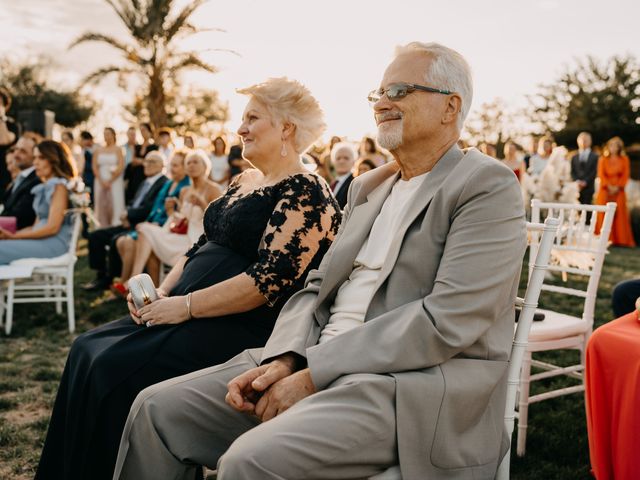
(148,324)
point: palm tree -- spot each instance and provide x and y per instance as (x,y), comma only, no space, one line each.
(151,52)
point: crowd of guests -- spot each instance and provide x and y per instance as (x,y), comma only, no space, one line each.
(595,176)
(356,328)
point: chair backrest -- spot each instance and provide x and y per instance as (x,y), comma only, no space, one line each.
(75,233)
(577,249)
(528,304)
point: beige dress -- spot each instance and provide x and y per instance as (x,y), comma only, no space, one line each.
(168,246)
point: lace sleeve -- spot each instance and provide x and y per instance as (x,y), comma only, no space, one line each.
(304,218)
(194,248)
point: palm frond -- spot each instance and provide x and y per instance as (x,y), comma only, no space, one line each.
(99,74)
(181,20)
(191,61)
(100,37)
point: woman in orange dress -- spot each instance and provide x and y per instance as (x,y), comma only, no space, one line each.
(613,170)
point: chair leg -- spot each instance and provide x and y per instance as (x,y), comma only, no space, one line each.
(523,404)
(71,314)
(10,296)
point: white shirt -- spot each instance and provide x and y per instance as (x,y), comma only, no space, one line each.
(340,181)
(144,188)
(352,300)
(167,152)
(583,156)
(21,176)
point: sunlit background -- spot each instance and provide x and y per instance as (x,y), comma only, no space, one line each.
(338,48)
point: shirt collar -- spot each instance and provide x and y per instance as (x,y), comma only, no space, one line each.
(152,180)
(26,172)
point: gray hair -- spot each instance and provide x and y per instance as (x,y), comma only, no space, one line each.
(449,70)
(343,146)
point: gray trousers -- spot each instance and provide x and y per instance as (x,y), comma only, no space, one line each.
(345,431)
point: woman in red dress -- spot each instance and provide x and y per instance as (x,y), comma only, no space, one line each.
(613,170)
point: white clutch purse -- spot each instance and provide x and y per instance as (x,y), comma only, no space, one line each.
(142,290)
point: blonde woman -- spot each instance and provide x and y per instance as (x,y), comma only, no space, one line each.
(184,223)
(270,228)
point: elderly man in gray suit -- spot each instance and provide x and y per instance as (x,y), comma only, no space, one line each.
(396,350)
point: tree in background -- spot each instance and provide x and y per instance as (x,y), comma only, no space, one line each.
(602,98)
(495,122)
(30,90)
(151,54)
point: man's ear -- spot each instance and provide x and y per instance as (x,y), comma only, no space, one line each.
(452,110)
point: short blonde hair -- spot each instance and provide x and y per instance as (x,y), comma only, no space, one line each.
(290,101)
(203,157)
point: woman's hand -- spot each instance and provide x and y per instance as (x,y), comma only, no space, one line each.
(133,311)
(6,234)
(198,200)
(170,204)
(165,311)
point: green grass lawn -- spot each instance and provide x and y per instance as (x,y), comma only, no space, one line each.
(31,362)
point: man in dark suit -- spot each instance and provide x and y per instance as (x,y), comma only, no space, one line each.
(137,212)
(584,167)
(18,201)
(343,156)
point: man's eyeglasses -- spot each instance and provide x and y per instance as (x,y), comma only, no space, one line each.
(397,91)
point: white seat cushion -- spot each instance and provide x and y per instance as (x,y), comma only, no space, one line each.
(60,261)
(555,326)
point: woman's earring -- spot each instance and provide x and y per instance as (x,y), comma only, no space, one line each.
(283,150)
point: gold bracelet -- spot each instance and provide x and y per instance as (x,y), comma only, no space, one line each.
(189,306)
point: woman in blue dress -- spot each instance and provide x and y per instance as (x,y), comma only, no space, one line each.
(50,235)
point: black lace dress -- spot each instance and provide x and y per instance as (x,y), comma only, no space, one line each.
(275,234)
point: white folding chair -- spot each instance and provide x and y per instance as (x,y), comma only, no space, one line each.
(579,252)
(51,281)
(528,304)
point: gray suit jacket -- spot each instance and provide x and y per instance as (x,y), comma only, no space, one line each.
(441,319)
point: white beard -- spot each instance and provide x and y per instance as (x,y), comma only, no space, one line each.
(390,136)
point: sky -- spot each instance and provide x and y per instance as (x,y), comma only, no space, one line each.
(338,48)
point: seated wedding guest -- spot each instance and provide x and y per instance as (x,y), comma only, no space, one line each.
(624,296)
(220,170)
(369,149)
(513,160)
(18,202)
(50,235)
(165,142)
(137,212)
(134,173)
(262,237)
(396,350)
(325,158)
(13,171)
(127,244)
(9,134)
(108,167)
(538,161)
(343,156)
(363,165)
(184,226)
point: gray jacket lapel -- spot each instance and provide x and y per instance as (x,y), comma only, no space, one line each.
(354,235)
(422,198)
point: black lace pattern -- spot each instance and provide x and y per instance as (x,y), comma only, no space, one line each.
(285,229)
